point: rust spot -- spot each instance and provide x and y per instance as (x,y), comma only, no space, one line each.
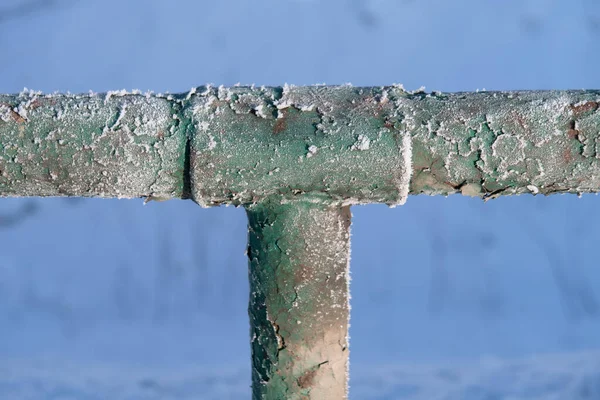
(521,121)
(281,123)
(161,135)
(573,132)
(583,108)
(303,273)
(15,115)
(35,104)
(567,156)
(346,217)
(306,380)
(368,102)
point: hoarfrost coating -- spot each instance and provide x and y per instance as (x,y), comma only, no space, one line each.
(337,144)
(299,299)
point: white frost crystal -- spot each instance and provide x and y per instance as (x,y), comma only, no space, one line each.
(362,143)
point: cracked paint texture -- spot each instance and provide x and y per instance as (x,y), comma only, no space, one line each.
(298,256)
(340,142)
(90,145)
(296,158)
(489,144)
(349,145)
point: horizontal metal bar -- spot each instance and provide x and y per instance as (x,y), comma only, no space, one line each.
(110,145)
(339,144)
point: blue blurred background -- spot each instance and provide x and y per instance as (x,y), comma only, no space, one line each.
(451,298)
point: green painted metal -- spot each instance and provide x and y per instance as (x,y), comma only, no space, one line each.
(492,144)
(112,145)
(241,145)
(296,158)
(299,254)
(340,142)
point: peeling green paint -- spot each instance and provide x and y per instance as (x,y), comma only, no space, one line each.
(340,142)
(352,145)
(89,145)
(296,158)
(298,256)
(490,144)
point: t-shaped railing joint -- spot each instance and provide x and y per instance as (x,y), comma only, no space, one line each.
(296,158)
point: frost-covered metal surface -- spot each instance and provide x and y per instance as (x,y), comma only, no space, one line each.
(500,143)
(110,145)
(348,145)
(341,142)
(299,294)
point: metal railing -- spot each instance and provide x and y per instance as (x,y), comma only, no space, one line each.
(296,158)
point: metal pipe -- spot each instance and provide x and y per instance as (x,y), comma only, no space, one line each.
(298,261)
(340,144)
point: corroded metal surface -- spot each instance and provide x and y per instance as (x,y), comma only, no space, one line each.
(299,256)
(349,145)
(296,158)
(492,144)
(110,145)
(341,142)
(364,145)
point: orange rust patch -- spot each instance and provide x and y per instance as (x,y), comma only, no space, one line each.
(35,104)
(303,273)
(280,123)
(567,156)
(15,115)
(573,133)
(583,108)
(368,101)
(306,380)
(346,217)
(521,121)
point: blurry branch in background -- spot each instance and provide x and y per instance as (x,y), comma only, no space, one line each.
(11,219)
(590,10)
(233,281)
(54,306)
(214,285)
(439,285)
(26,8)
(576,295)
(491,301)
(442,247)
(365,16)
(531,24)
(199,251)
(164,275)
(126,294)
(170,279)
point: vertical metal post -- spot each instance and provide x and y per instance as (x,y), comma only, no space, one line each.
(298,265)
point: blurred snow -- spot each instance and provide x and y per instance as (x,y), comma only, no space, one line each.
(549,377)
(451,298)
